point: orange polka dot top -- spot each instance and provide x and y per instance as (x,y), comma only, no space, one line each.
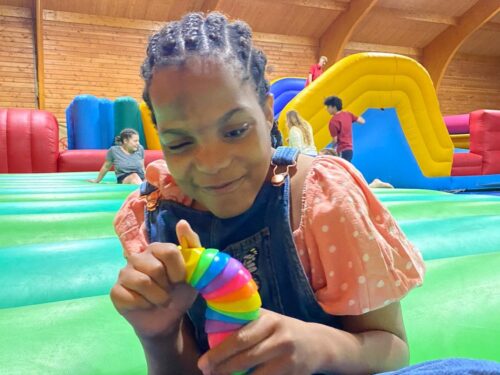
(354,254)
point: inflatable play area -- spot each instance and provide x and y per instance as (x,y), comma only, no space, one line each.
(59,257)
(68,89)
(405,140)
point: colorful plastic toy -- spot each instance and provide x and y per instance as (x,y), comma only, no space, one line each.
(231,294)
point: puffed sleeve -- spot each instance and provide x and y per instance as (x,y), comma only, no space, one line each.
(359,258)
(129,221)
(129,225)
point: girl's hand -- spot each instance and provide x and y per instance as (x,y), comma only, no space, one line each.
(273,344)
(151,292)
(93,180)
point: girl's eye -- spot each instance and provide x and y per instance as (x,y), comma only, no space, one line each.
(237,133)
(179,146)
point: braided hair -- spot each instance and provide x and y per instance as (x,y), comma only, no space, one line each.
(214,36)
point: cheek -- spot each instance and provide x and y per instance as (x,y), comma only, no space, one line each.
(179,168)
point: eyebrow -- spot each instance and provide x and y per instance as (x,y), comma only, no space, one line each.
(222,120)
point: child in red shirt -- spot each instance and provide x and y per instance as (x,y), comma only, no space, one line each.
(340,127)
(316,70)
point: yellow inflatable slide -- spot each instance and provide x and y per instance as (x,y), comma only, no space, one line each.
(380,80)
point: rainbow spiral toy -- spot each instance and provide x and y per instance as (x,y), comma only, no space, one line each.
(228,288)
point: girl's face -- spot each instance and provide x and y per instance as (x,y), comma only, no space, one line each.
(214,134)
(131,144)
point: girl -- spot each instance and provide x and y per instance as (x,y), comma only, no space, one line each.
(300,134)
(330,261)
(127,156)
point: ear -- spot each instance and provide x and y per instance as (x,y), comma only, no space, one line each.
(268,110)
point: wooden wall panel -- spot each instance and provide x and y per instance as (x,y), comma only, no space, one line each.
(100,55)
(357,47)
(287,56)
(90,59)
(17,70)
(93,58)
(470,83)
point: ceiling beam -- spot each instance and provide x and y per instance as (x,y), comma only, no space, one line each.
(319,4)
(209,6)
(491,26)
(336,36)
(415,16)
(437,55)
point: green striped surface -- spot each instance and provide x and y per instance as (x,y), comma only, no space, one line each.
(59,257)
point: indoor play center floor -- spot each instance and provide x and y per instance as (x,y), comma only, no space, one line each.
(59,257)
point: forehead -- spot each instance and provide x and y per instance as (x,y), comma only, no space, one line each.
(198,88)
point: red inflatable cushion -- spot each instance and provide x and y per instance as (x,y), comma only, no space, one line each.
(485,138)
(29,141)
(466,164)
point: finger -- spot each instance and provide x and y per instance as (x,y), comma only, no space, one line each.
(171,257)
(245,338)
(186,236)
(277,366)
(125,300)
(144,285)
(266,351)
(147,263)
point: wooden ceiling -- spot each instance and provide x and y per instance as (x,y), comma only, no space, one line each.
(411,24)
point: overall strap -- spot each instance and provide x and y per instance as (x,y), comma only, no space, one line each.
(146,188)
(285,156)
(150,194)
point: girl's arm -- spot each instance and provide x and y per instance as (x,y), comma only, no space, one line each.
(277,344)
(172,355)
(151,294)
(104,169)
(370,343)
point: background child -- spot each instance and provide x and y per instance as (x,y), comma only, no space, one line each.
(330,261)
(300,134)
(127,156)
(316,70)
(340,127)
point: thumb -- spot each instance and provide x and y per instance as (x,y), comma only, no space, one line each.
(186,236)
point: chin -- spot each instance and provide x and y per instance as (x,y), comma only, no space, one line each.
(230,209)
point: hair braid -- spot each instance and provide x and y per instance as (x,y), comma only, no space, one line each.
(212,35)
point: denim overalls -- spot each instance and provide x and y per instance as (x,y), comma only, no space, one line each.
(260,238)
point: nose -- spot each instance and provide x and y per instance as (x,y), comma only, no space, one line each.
(211,159)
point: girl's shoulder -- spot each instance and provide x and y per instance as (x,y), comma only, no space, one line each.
(158,175)
(358,259)
(332,175)
(129,221)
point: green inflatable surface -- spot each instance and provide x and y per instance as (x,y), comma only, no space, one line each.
(59,257)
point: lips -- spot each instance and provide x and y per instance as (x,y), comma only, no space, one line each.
(221,188)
